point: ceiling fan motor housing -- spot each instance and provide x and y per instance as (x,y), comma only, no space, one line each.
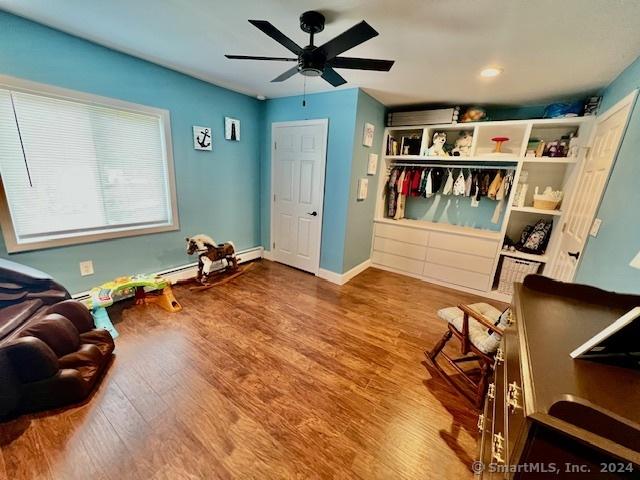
(312,22)
(310,62)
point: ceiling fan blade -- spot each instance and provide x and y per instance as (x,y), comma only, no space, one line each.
(361,63)
(333,77)
(249,57)
(348,39)
(289,73)
(277,35)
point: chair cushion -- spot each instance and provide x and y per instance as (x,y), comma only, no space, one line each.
(478,334)
(87,355)
(17,315)
(101,339)
(57,332)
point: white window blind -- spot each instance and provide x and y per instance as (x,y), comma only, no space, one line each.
(76,170)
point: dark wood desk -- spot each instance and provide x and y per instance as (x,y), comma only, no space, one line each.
(549,412)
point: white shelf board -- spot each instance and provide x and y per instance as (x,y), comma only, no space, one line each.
(550,159)
(539,211)
(442,227)
(488,159)
(536,122)
(525,256)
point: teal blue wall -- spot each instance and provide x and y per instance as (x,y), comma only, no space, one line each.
(357,245)
(340,108)
(218,192)
(454,210)
(606,258)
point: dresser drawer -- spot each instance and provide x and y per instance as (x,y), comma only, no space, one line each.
(498,431)
(459,243)
(396,261)
(464,278)
(514,399)
(403,234)
(485,424)
(396,247)
(462,261)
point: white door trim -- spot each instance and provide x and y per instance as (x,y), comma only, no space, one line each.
(323,122)
(628,101)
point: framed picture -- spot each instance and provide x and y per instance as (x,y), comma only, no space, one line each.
(231,129)
(367,138)
(202,138)
(372,166)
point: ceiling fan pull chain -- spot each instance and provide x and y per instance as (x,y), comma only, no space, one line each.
(304,92)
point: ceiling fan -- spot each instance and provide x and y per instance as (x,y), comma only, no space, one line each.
(316,61)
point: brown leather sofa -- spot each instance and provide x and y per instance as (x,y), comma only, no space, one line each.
(51,354)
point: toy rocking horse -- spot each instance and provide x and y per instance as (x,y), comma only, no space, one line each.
(209,252)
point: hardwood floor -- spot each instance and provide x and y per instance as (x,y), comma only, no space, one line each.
(277,374)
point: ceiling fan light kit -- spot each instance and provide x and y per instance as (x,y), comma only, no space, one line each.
(320,61)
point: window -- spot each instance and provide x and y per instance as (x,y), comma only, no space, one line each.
(75,169)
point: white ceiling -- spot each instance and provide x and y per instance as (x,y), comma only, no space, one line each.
(548,48)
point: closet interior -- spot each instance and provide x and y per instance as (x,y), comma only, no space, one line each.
(457,204)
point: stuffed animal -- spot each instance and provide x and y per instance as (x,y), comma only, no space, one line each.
(437,147)
(462,147)
(473,114)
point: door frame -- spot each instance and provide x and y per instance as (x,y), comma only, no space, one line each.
(627,100)
(324,123)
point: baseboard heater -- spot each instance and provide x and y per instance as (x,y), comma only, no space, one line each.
(189,270)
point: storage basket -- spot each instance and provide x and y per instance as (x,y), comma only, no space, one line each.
(514,270)
(546,204)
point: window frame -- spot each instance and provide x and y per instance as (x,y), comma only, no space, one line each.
(6,223)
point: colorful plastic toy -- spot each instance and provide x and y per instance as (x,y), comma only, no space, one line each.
(125,287)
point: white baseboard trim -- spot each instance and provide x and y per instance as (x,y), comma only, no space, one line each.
(189,270)
(342,278)
(267,255)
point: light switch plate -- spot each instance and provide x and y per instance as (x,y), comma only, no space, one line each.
(86,268)
(363,187)
(595,227)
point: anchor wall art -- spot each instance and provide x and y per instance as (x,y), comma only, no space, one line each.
(202,138)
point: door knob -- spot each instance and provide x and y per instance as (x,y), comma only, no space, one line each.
(313,214)
(575,255)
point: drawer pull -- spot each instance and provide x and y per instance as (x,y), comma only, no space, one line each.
(511,318)
(491,391)
(480,422)
(497,448)
(499,355)
(513,397)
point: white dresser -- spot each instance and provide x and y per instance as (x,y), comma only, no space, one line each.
(444,254)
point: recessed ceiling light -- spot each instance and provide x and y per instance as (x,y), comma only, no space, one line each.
(491,72)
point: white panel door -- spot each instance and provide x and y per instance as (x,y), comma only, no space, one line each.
(298,165)
(590,187)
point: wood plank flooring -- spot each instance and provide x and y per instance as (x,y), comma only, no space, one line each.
(277,374)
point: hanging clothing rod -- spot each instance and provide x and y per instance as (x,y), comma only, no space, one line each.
(454,165)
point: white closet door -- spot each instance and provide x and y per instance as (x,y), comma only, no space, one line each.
(590,187)
(298,167)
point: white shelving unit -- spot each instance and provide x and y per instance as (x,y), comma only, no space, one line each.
(537,211)
(469,258)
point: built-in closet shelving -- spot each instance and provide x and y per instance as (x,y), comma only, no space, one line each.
(465,257)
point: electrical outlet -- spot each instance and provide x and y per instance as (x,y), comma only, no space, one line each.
(86,268)
(595,227)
